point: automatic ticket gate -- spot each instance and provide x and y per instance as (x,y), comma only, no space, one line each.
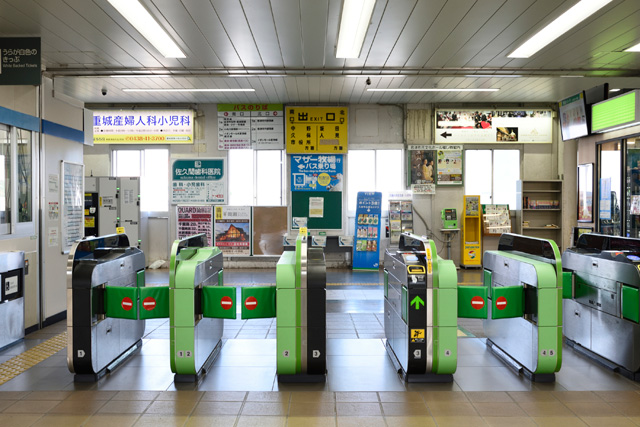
(523,285)
(298,301)
(97,267)
(198,303)
(108,302)
(602,305)
(11,298)
(420,307)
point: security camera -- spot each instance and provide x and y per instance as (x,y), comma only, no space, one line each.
(368,82)
(104,91)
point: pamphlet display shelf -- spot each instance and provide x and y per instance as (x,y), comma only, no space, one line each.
(539,209)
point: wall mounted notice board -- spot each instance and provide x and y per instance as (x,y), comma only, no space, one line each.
(332,209)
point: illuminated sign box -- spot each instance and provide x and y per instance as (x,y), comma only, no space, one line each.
(616,113)
(143,127)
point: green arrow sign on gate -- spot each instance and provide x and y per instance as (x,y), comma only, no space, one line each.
(417,301)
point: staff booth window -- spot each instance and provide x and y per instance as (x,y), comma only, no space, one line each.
(633,190)
(152,166)
(256,177)
(16,181)
(493,175)
(609,188)
(373,170)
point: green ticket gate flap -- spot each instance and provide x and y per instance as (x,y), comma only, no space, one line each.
(473,302)
(154,302)
(567,285)
(507,302)
(219,302)
(258,302)
(630,303)
(121,302)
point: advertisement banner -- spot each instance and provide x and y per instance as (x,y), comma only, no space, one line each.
(199,181)
(366,251)
(316,172)
(143,127)
(434,164)
(490,126)
(258,126)
(317,130)
(233,229)
(195,220)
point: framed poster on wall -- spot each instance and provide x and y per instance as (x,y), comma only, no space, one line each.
(585,192)
(72,195)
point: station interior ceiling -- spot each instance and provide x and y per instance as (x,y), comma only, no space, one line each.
(285,50)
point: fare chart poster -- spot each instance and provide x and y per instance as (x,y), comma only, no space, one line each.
(317,172)
(493,126)
(366,249)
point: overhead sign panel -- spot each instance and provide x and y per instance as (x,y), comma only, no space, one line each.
(616,113)
(143,127)
(20,59)
(259,126)
(313,130)
(456,126)
(316,172)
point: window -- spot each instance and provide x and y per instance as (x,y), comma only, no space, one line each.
(152,166)
(255,177)
(373,170)
(16,181)
(25,186)
(492,174)
(610,189)
(5,180)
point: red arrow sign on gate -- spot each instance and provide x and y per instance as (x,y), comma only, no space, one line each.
(501,303)
(226,303)
(149,303)
(126,303)
(251,303)
(477,302)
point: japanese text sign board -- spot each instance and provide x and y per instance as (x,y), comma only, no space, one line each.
(143,127)
(312,130)
(20,59)
(199,181)
(366,250)
(316,172)
(195,220)
(456,126)
(259,126)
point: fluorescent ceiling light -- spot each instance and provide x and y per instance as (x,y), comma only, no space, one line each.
(354,22)
(499,76)
(614,90)
(372,76)
(432,90)
(146,24)
(563,23)
(186,90)
(635,48)
(259,75)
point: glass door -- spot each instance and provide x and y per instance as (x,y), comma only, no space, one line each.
(610,188)
(633,188)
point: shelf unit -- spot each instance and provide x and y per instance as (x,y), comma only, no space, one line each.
(533,221)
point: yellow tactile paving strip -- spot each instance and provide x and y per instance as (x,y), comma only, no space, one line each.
(20,363)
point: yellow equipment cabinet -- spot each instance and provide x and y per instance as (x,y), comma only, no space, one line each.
(471,233)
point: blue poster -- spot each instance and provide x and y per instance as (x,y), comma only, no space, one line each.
(316,172)
(605,198)
(366,253)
